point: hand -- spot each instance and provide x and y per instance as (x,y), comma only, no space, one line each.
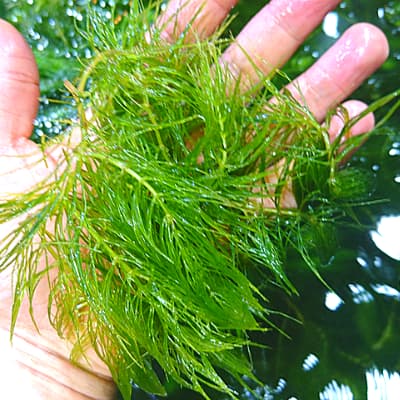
(269,39)
(37,366)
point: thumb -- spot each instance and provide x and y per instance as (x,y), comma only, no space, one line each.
(19,85)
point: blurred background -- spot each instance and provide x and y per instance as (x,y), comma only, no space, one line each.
(345,343)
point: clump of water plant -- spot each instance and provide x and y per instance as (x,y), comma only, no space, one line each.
(173,201)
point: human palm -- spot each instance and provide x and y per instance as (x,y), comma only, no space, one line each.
(269,40)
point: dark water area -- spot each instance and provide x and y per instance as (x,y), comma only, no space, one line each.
(343,341)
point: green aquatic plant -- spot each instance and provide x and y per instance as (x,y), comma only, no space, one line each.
(165,219)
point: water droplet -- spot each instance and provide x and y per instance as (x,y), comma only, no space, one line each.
(375,167)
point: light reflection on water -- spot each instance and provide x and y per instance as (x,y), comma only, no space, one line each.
(336,391)
(310,362)
(360,294)
(330,25)
(381,385)
(332,301)
(386,235)
(386,290)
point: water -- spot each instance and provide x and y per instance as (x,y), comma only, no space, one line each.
(345,342)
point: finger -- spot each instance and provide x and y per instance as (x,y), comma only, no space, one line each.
(272,36)
(204,17)
(349,110)
(58,152)
(19,85)
(355,56)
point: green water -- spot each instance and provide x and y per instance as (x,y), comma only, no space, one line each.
(345,343)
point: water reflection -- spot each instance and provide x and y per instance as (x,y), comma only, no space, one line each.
(386,290)
(386,236)
(310,362)
(360,294)
(330,25)
(395,150)
(383,385)
(332,301)
(336,391)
